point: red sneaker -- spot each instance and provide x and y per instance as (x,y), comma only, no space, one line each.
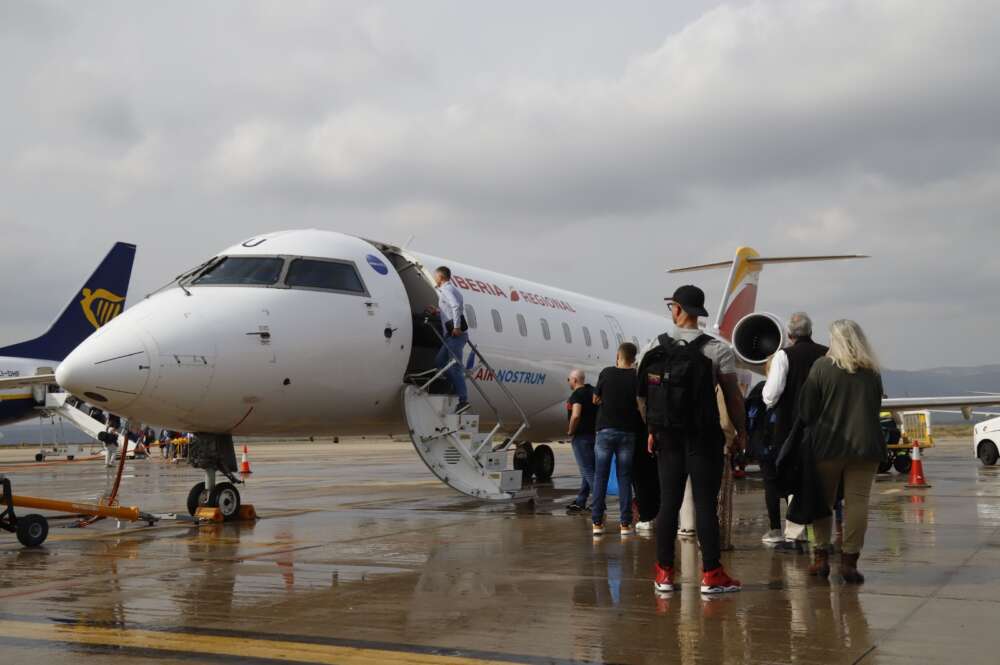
(664,578)
(717,581)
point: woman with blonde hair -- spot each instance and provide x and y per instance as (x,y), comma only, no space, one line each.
(840,405)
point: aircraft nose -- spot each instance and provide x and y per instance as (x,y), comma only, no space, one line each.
(109,369)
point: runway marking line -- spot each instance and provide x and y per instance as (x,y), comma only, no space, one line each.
(244,646)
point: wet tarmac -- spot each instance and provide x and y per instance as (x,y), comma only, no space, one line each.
(360,556)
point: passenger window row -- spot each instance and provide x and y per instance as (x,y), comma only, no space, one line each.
(522,327)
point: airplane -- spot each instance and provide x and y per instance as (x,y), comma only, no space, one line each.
(315,332)
(27,368)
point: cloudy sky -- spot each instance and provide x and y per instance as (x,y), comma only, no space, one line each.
(586,145)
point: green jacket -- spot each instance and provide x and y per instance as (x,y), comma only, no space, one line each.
(842,412)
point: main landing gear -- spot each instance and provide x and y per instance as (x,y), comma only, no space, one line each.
(536,462)
(215,453)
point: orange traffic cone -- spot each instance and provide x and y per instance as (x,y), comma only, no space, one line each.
(245,463)
(917,478)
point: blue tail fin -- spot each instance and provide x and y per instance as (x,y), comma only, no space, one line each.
(101,299)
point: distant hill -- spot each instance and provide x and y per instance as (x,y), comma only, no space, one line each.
(941,381)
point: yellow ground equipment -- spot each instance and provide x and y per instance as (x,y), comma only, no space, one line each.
(913,428)
(33,529)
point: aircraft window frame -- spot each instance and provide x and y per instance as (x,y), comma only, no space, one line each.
(604,339)
(206,268)
(522,325)
(470,317)
(635,340)
(364,293)
(497,320)
(546,332)
(567,333)
(586,336)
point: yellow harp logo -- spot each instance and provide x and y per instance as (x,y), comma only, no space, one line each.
(101,306)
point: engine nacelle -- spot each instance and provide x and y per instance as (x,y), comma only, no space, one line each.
(757,337)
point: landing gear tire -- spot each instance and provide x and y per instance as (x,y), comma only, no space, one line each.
(70,458)
(543,463)
(988,453)
(32,530)
(39,457)
(902,464)
(226,498)
(197,498)
(522,460)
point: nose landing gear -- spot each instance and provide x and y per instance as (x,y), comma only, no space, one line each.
(214,453)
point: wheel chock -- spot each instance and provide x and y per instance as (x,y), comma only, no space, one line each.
(247,513)
(208,514)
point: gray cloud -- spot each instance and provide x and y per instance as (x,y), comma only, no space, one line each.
(637,138)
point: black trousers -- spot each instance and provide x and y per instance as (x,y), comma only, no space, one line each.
(772,496)
(646,480)
(705,469)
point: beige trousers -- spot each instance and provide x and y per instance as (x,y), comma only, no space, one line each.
(858,476)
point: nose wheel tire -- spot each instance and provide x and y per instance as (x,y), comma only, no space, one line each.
(197,498)
(226,498)
(32,530)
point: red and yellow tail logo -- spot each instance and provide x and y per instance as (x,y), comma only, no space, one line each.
(741,290)
(101,306)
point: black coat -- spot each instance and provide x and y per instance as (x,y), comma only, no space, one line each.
(797,476)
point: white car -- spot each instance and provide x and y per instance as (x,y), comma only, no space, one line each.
(986,441)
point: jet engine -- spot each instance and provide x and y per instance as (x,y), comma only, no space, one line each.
(757,337)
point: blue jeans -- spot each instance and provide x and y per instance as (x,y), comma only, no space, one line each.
(621,444)
(583,451)
(455,373)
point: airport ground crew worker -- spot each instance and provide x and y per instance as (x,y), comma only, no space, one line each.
(618,422)
(676,389)
(451,311)
(582,414)
(786,373)
(840,404)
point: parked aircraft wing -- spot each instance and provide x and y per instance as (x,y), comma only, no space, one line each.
(8,383)
(963,403)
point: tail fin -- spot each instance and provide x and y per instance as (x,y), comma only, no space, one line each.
(739,297)
(101,299)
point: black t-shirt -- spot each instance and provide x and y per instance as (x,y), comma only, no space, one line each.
(617,389)
(584,396)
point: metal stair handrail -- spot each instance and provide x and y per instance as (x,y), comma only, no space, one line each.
(468,375)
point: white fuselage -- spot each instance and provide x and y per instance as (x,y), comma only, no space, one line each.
(285,359)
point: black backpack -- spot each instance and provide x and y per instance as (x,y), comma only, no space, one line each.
(678,382)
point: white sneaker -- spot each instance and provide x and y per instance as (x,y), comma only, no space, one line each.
(645,527)
(773,537)
(687,533)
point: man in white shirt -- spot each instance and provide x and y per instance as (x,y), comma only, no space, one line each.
(451,311)
(787,372)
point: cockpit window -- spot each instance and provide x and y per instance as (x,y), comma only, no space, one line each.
(246,270)
(325,275)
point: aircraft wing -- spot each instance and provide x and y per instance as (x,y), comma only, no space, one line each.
(915,403)
(8,383)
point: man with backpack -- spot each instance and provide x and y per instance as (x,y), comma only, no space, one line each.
(676,390)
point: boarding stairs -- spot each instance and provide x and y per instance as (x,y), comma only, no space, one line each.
(453,447)
(64,406)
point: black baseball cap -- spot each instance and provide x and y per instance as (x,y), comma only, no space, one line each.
(691,299)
